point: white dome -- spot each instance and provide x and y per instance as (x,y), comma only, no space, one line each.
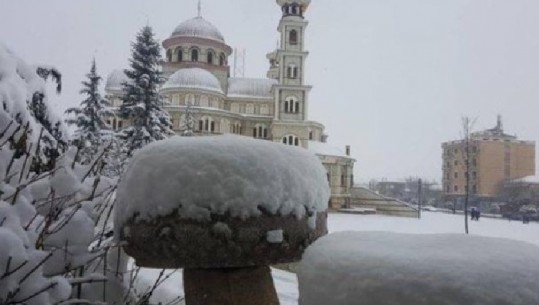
(198,27)
(193,78)
(115,81)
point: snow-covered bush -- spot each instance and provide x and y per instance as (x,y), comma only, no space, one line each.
(411,269)
(53,211)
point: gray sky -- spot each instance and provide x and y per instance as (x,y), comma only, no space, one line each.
(392,78)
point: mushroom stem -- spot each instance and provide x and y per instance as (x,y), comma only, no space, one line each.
(241,286)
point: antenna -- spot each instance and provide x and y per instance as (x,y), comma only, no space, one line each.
(199,8)
(239,62)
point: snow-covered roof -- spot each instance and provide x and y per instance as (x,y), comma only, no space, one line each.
(198,27)
(193,78)
(115,80)
(320,148)
(250,87)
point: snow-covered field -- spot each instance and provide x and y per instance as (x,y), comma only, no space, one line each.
(430,223)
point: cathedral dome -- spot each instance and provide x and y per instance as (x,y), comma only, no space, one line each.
(116,80)
(193,78)
(200,28)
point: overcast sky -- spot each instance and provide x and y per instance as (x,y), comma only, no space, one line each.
(391,78)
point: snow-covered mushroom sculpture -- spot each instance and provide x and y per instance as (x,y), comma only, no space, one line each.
(379,268)
(224,208)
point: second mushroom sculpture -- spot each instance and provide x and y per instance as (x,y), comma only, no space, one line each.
(224,209)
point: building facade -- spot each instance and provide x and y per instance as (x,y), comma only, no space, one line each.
(494,159)
(275,108)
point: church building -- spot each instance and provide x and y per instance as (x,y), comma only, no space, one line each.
(275,108)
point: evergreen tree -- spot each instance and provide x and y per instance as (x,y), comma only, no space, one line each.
(89,117)
(142,105)
(52,142)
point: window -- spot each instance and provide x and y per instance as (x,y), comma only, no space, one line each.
(310,135)
(206,124)
(456,162)
(264,110)
(474,189)
(474,175)
(249,109)
(291,105)
(179,54)
(210,57)
(176,99)
(204,101)
(169,55)
(236,128)
(456,188)
(291,140)
(194,55)
(260,131)
(456,175)
(293,37)
(292,71)
(222,59)
(120,124)
(190,99)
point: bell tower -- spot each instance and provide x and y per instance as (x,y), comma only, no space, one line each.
(291,93)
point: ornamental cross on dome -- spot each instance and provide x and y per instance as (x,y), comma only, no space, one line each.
(199,8)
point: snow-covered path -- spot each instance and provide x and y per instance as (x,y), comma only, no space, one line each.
(430,223)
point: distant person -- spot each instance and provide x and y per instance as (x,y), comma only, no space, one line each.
(473,213)
(477,214)
(525,219)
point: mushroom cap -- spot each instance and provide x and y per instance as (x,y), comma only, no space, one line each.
(221,201)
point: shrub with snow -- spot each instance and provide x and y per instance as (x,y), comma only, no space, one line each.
(49,207)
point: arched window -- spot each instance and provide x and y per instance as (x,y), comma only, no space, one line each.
(210,57)
(194,55)
(204,101)
(236,128)
(222,59)
(291,105)
(249,109)
(293,37)
(310,135)
(207,124)
(291,140)
(169,55)
(260,131)
(190,99)
(179,54)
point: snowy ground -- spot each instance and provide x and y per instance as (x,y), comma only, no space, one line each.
(430,223)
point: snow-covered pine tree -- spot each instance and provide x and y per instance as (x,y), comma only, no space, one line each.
(89,117)
(142,105)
